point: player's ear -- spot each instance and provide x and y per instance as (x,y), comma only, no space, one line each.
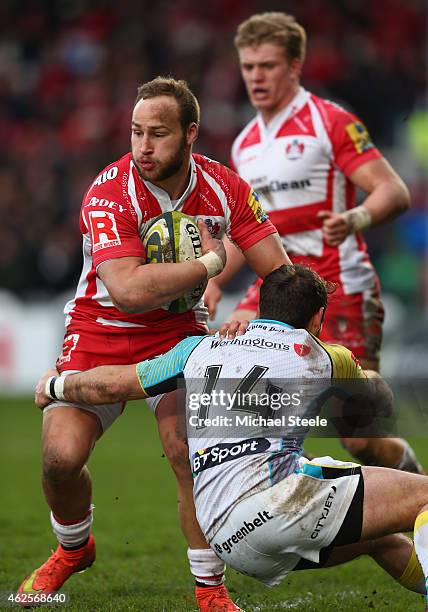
(315,323)
(192,133)
(296,66)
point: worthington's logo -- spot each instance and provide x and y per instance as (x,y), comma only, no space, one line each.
(258,342)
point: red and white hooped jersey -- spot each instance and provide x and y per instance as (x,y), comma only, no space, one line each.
(115,213)
(299,164)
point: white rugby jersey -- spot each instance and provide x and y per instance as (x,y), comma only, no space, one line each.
(299,164)
(115,213)
(230,449)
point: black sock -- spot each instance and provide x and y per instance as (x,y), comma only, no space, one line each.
(216,581)
(75,547)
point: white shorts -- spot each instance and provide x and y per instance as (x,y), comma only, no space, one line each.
(268,534)
(152,402)
(106,413)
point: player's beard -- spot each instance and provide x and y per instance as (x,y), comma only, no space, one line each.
(167,168)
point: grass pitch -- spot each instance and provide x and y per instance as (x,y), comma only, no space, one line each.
(141,554)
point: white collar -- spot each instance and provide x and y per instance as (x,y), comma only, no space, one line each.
(162,196)
(293,107)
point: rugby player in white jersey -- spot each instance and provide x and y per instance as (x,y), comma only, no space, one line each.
(306,156)
(264,509)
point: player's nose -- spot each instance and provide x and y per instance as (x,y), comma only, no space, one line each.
(257,74)
(146,144)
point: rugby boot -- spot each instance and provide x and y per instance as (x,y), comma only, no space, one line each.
(215,599)
(50,576)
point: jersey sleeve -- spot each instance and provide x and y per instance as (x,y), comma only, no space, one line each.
(160,375)
(345,364)
(248,222)
(111,223)
(352,145)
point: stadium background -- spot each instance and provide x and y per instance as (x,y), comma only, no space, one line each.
(68,76)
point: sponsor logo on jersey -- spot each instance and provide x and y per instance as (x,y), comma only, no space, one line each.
(359,136)
(302,349)
(107,175)
(255,205)
(275,186)
(70,343)
(325,512)
(294,150)
(247,527)
(222,453)
(103,203)
(257,342)
(103,230)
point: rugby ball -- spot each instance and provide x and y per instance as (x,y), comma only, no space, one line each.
(172,238)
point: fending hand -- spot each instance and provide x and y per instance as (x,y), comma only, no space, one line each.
(40,398)
(211,244)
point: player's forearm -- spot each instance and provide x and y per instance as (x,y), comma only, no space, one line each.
(387,201)
(102,385)
(152,286)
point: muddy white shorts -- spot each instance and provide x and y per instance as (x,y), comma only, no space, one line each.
(106,413)
(295,523)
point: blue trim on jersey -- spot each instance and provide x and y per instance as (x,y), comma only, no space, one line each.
(167,367)
(271,321)
(313,470)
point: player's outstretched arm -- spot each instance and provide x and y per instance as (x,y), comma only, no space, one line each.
(102,385)
(263,257)
(135,287)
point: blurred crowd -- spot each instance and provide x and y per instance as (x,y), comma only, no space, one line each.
(69,70)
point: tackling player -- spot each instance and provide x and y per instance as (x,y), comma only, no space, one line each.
(117,317)
(264,509)
(306,156)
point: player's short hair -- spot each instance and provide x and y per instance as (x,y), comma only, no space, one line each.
(293,294)
(273,27)
(179,90)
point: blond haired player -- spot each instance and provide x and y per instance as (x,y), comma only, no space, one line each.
(306,156)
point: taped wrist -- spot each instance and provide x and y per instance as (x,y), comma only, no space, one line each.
(54,387)
(212,262)
(358,219)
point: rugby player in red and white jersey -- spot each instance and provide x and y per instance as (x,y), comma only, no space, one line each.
(116,316)
(306,156)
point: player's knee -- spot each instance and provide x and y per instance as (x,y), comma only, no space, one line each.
(60,466)
(387,545)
